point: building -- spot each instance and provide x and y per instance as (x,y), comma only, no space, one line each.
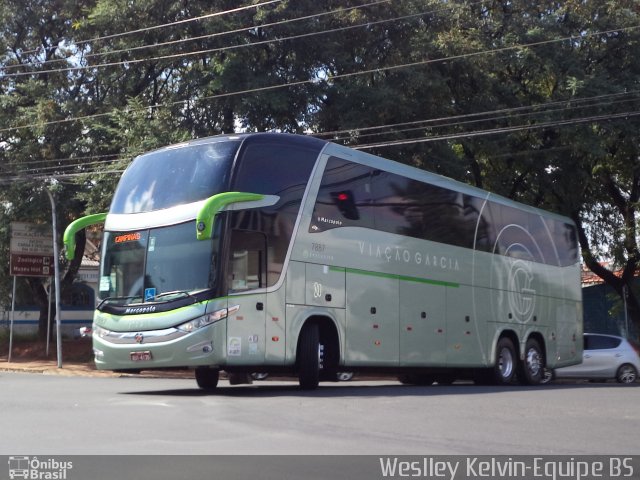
(604,311)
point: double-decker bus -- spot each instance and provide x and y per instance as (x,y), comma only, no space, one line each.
(284,253)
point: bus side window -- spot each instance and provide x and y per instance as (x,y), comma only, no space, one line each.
(247,261)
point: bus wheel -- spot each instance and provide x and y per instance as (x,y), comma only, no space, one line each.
(309,357)
(533,365)
(505,367)
(207,377)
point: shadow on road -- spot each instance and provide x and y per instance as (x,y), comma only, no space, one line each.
(365,389)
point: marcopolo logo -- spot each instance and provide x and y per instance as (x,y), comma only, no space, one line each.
(38,469)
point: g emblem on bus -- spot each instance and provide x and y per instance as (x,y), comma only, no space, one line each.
(522,294)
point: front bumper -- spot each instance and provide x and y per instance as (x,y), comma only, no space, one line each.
(165,348)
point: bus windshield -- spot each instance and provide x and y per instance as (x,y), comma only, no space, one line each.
(175,176)
(145,265)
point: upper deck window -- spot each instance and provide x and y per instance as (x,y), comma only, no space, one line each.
(174,176)
(355,195)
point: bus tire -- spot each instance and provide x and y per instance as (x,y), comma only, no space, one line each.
(207,377)
(532,367)
(309,357)
(504,370)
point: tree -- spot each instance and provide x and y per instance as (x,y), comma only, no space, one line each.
(536,101)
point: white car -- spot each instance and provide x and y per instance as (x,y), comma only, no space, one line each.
(605,357)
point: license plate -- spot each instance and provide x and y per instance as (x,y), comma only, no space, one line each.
(140,356)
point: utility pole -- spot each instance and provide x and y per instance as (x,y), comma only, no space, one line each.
(56,266)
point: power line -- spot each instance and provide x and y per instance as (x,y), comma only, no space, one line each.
(165,25)
(569,103)
(203,37)
(498,130)
(216,50)
(333,78)
(66,159)
(60,172)
(469,119)
(437,122)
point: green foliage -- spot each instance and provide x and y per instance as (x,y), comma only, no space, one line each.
(511,96)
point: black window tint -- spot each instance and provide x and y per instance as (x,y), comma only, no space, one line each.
(485,234)
(355,195)
(599,342)
(526,235)
(273,168)
(566,241)
(513,235)
(247,267)
(409,207)
(344,198)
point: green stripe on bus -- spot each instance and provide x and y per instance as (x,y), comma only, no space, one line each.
(405,278)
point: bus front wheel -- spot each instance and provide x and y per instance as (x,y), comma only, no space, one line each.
(309,360)
(207,377)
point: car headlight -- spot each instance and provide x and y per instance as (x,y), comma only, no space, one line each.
(207,319)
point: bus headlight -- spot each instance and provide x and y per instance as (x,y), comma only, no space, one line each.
(99,331)
(207,319)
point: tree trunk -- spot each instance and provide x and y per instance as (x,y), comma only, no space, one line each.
(40,294)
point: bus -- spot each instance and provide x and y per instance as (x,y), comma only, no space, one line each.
(281,253)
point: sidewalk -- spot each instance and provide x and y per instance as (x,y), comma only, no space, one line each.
(32,356)
(79,369)
(50,367)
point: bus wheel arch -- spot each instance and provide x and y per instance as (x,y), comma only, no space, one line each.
(318,352)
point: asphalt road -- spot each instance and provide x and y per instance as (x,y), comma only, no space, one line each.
(60,415)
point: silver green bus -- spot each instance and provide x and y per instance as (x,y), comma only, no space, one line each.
(288,254)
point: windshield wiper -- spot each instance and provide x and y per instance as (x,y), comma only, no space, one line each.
(177,293)
(119,301)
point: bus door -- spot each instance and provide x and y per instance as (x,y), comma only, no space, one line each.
(247,278)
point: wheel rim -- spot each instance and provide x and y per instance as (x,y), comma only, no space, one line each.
(505,363)
(320,356)
(627,374)
(534,362)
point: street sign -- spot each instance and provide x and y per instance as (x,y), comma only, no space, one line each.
(31,265)
(31,250)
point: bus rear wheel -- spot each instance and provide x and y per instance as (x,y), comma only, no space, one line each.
(207,377)
(532,368)
(309,361)
(504,369)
